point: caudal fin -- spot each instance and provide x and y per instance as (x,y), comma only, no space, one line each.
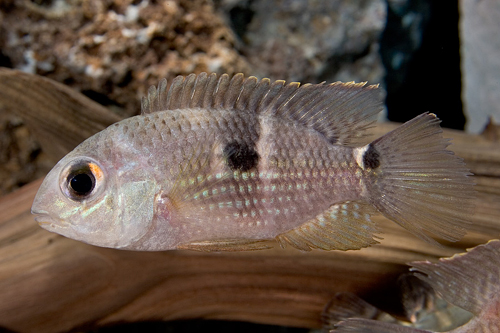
(418,183)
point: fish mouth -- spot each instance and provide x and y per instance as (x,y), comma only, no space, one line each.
(44,219)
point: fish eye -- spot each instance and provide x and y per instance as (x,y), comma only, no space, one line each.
(81,184)
(80,180)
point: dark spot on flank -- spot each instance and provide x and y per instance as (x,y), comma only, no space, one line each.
(371,158)
(240,156)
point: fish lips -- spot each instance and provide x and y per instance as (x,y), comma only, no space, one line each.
(46,221)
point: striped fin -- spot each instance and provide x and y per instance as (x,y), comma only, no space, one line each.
(344,226)
(340,111)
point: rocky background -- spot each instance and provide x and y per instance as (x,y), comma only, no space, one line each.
(113,50)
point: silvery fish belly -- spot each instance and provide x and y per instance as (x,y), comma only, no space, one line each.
(218,163)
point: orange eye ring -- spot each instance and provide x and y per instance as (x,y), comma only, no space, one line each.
(81,179)
(96,171)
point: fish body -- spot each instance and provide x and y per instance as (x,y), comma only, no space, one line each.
(225,164)
(470,281)
(424,309)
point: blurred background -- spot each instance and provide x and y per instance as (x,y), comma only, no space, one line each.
(437,56)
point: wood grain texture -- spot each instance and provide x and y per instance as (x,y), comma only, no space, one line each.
(52,284)
(58,115)
(49,283)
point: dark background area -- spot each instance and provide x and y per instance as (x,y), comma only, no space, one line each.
(428,77)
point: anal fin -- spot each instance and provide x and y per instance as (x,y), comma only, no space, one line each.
(344,226)
(227,245)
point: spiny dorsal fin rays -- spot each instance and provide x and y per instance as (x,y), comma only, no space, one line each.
(211,87)
(155,98)
(173,99)
(197,93)
(339,111)
(220,91)
(234,90)
(187,91)
(261,89)
(270,95)
(249,87)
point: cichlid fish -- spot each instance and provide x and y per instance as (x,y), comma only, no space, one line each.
(228,164)
(423,307)
(470,281)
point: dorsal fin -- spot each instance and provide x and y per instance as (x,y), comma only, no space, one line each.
(339,111)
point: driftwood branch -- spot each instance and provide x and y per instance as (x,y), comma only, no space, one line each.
(49,283)
(59,116)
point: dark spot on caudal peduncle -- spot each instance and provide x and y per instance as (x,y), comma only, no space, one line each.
(371,158)
(240,156)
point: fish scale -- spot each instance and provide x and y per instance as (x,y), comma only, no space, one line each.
(282,199)
(228,164)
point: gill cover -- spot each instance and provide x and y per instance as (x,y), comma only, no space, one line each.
(83,198)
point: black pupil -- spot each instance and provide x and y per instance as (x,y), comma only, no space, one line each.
(82,183)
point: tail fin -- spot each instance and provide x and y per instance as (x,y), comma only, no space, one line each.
(419,184)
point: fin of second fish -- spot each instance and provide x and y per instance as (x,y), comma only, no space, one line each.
(417,182)
(471,281)
(417,296)
(425,309)
(358,325)
(346,305)
(344,226)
